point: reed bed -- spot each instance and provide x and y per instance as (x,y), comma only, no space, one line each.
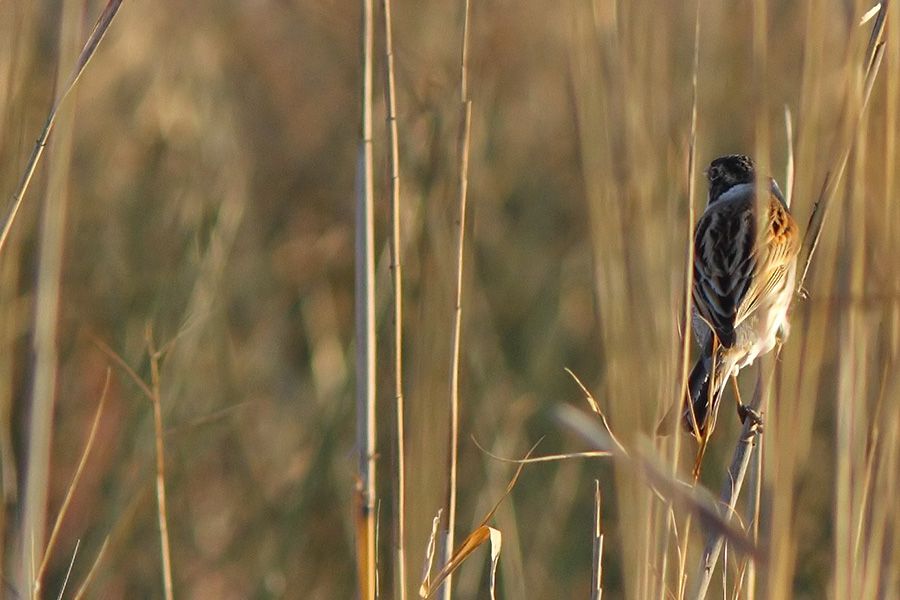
(284,412)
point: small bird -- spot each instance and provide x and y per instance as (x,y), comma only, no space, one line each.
(744,272)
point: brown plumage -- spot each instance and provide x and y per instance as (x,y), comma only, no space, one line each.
(744,271)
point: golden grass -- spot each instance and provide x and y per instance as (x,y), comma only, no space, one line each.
(210,193)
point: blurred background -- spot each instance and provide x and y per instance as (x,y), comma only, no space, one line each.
(200,183)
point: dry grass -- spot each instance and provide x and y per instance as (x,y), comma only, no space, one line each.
(210,194)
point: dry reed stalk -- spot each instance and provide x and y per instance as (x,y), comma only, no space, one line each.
(615,47)
(683,556)
(852,383)
(760,111)
(397,272)
(158,434)
(365,323)
(754,499)
(120,362)
(65,582)
(597,563)
(682,388)
(892,108)
(791,423)
(789,167)
(762,149)
(867,504)
(18,31)
(82,589)
(731,490)
(152,392)
(687,332)
(54,213)
(821,209)
(877,563)
(70,492)
(453,456)
(87,52)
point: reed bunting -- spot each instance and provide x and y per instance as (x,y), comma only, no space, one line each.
(744,271)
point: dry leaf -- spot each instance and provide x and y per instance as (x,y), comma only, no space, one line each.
(469,545)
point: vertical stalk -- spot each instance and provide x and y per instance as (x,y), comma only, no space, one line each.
(597,563)
(464,133)
(397,272)
(754,504)
(365,324)
(158,434)
(70,493)
(52,242)
(731,488)
(67,85)
(691,189)
(688,299)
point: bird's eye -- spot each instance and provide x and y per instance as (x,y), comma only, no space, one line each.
(715,172)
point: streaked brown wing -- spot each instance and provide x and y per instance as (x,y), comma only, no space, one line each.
(775,256)
(724,263)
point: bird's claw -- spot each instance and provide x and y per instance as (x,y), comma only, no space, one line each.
(756,420)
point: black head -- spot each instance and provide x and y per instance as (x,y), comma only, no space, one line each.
(726,172)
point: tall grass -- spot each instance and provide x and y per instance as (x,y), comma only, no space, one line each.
(366,441)
(397,274)
(214,153)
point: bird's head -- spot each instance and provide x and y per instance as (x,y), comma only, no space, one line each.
(726,172)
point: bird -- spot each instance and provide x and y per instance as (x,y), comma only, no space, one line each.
(744,272)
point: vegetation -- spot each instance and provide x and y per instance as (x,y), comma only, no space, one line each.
(177,297)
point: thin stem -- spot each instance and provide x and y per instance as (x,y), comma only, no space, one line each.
(731,489)
(684,359)
(397,272)
(70,493)
(87,52)
(682,556)
(365,323)
(90,576)
(755,506)
(69,570)
(158,433)
(597,563)
(820,210)
(48,294)
(464,138)
(689,268)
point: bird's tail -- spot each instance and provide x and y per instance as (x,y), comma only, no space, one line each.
(702,403)
(698,404)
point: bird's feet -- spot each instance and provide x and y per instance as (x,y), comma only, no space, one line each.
(756,420)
